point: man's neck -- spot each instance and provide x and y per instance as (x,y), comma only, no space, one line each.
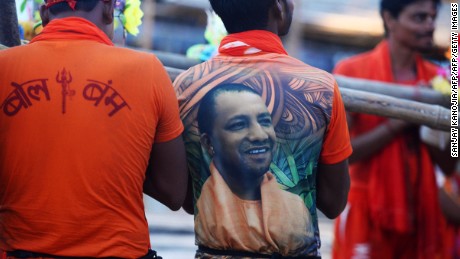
(246,189)
(403,62)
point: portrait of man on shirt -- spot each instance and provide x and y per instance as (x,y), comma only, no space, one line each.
(241,206)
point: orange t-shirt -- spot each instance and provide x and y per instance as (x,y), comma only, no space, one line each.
(77,122)
(307,112)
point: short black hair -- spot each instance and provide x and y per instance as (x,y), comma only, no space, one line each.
(82,5)
(243,15)
(207,112)
(395,7)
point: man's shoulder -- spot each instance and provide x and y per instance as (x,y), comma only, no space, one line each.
(304,71)
(356,60)
(357,65)
(5,51)
(133,54)
(282,66)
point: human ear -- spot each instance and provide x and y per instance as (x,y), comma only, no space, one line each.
(388,20)
(277,10)
(108,10)
(44,14)
(205,141)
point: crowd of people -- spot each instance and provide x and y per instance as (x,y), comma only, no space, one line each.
(253,142)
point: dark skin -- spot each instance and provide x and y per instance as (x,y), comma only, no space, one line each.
(167,175)
(101,16)
(370,143)
(449,207)
(333,181)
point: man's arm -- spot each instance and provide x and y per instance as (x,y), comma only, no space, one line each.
(166,177)
(188,202)
(332,185)
(371,142)
(449,207)
(443,159)
(438,144)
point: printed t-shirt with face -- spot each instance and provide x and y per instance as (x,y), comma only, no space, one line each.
(307,113)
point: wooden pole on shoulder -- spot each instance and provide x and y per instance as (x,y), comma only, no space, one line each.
(434,116)
(419,94)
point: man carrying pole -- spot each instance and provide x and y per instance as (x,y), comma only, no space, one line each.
(392,209)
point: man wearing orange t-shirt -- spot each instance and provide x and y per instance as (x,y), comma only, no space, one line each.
(308,115)
(393,209)
(80,121)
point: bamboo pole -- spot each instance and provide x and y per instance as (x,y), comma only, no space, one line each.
(434,116)
(431,115)
(9,28)
(420,94)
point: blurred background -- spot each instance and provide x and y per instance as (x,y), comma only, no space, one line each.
(322,33)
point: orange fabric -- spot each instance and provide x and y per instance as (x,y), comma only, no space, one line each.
(279,222)
(73,28)
(71,3)
(307,114)
(450,232)
(357,237)
(250,42)
(333,142)
(450,238)
(77,122)
(399,182)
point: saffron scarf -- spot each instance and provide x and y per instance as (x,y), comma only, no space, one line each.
(251,42)
(73,28)
(402,186)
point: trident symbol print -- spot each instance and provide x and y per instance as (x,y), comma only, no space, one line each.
(65,83)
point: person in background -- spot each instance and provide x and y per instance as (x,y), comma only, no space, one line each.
(80,121)
(308,115)
(393,209)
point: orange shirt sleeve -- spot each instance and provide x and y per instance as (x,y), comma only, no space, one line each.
(169,124)
(336,145)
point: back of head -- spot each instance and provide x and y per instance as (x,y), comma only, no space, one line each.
(395,7)
(93,11)
(243,15)
(64,6)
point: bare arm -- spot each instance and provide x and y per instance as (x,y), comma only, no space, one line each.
(166,177)
(449,207)
(188,202)
(443,159)
(370,143)
(333,184)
